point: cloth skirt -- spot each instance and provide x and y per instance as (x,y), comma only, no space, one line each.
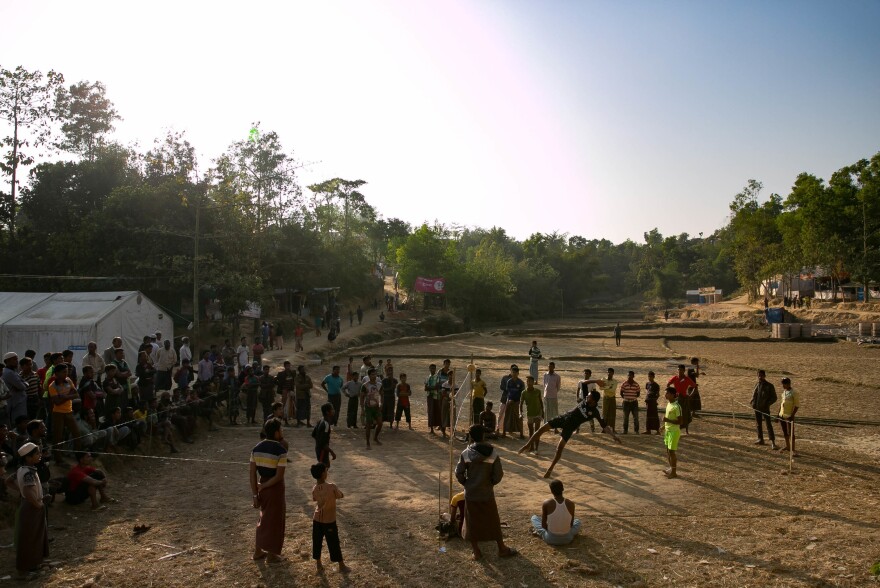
(652,417)
(273,512)
(481,521)
(31,537)
(434,410)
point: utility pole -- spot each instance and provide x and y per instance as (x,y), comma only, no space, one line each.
(196,278)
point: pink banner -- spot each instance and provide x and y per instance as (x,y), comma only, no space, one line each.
(431,285)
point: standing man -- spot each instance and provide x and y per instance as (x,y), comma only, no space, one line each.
(787,409)
(360,313)
(552,384)
(763,397)
(241,352)
(62,392)
(630,392)
(110,352)
(389,386)
(332,385)
(352,391)
(185,351)
(478,404)
(227,353)
(502,409)
(268,462)
(166,359)
(682,383)
(617,335)
(302,387)
(672,430)
(123,377)
(94,360)
(17,404)
(479,471)
(534,356)
(432,389)
(512,415)
(531,397)
(609,398)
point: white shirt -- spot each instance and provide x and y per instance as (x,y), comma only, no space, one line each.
(242,352)
(185,353)
(552,382)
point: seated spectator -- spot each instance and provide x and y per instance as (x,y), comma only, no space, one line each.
(489,421)
(183,377)
(93,438)
(199,407)
(556,525)
(84,481)
(117,431)
(180,422)
(162,423)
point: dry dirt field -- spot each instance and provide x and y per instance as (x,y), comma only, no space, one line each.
(735,517)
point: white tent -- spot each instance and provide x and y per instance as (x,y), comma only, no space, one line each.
(69,320)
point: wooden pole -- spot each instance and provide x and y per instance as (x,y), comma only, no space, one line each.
(451,429)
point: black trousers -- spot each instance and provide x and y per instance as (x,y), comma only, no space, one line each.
(630,408)
(336,401)
(787,430)
(761,418)
(331,532)
(402,410)
(352,415)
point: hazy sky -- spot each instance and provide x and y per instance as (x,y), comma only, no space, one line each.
(602,119)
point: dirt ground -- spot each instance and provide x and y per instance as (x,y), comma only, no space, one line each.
(735,517)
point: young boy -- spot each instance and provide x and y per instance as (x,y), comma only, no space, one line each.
(230,385)
(371,403)
(478,403)
(787,409)
(488,421)
(672,423)
(183,377)
(324,520)
(403,392)
(531,397)
(321,435)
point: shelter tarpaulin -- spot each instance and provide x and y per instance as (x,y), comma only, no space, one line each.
(69,320)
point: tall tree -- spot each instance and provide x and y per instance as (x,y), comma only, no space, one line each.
(86,115)
(26,104)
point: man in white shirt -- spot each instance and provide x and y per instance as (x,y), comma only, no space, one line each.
(242,353)
(552,384)
(185,351)
(166,359)
(556,525)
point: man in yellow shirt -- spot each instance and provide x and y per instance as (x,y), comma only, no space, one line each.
(787,409)
(478,404)
(609,397)
(672,424)
(62,392)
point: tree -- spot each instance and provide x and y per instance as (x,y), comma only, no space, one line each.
(754,239)
(26,104)
(86,115)
(352,201)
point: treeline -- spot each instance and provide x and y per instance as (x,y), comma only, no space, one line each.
(97,215)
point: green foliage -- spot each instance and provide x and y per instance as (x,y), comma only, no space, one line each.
(26,106)
(86,115)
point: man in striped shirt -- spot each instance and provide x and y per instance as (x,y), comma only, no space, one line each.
(630,391)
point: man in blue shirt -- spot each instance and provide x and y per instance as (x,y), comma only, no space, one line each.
(332,384)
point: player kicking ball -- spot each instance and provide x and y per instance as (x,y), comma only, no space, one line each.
(567,424)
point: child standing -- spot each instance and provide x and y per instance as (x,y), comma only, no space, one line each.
(324,521)
(321,434)
(230,382)
(652,417)
(672,421)
(403,394)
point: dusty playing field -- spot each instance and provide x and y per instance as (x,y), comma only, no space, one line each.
(733,518)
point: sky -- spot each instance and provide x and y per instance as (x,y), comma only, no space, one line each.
(598,119)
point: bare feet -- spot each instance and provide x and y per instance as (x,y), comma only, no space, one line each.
(547,473)
(258,554)
(376,441)
(319,566)
(273,559)
(343,569)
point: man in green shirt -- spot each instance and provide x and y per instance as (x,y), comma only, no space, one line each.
(531,398)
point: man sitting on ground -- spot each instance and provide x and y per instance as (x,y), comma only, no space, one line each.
(556,525)
(86,481)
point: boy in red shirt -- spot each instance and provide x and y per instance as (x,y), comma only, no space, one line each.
(86,481)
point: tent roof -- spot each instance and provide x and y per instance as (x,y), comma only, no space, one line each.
(71,308)
(13,304)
